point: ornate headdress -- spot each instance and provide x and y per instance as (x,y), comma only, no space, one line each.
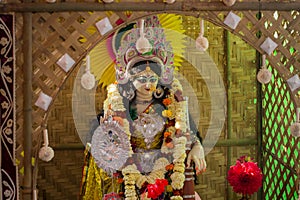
(147,43)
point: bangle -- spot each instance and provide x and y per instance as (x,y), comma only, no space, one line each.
(189,179)
(188,196)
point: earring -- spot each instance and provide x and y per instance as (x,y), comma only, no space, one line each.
(159,92)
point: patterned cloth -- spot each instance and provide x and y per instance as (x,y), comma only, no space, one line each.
(8,178)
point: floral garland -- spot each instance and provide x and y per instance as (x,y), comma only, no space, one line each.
(174,143)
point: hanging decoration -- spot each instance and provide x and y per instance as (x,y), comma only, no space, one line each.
(201,41)
(229,2)
(264,75)
(295,127)
(142,44)
(88,80)
(46,153)
(169,1)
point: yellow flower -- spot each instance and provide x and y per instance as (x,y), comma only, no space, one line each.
(169,188)
(167,113)
(177,180)
(178,168)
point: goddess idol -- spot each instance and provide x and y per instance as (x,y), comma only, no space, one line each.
(146,146)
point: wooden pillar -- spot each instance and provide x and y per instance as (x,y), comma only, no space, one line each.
(27,105)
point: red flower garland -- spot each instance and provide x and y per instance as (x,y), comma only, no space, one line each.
(245,176)
(156,189)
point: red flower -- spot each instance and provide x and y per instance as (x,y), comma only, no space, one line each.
(245,177)
(156,189)
(111,196)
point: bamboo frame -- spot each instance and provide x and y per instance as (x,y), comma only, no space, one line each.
(184,6)
(27,104)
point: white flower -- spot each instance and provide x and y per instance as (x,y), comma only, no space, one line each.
(177,180)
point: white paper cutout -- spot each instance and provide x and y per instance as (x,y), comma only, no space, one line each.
(232,20)
(43,101)
(294,82)
(268,45)
(295,127)
(104,26)
(66,62)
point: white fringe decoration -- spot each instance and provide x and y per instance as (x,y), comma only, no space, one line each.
(46,153)
(201,41)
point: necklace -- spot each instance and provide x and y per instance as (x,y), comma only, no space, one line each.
(144,102)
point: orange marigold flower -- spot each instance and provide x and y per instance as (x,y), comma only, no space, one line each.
(120,180)
(170,167)
(167,101)
(167,134)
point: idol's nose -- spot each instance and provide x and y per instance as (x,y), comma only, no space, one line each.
(147,86)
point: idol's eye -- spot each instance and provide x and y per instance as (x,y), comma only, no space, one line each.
(153,79)
(142,79)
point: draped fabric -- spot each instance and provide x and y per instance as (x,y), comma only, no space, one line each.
(8,178)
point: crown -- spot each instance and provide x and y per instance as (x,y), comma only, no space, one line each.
(146,43)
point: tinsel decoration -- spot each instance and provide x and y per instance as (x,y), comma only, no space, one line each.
(46,153)
(264,75)
(201,41)
(295,127)
(88,80)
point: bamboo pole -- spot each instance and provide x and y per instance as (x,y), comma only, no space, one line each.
(184,6)
(27,105)
(259,113)
(259,117)
(229,105)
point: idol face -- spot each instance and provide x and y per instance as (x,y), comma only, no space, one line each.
(146,84)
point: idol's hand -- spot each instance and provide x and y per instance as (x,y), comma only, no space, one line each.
(197,155)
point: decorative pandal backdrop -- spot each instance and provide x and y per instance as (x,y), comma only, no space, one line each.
(257,116)
(9,170)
